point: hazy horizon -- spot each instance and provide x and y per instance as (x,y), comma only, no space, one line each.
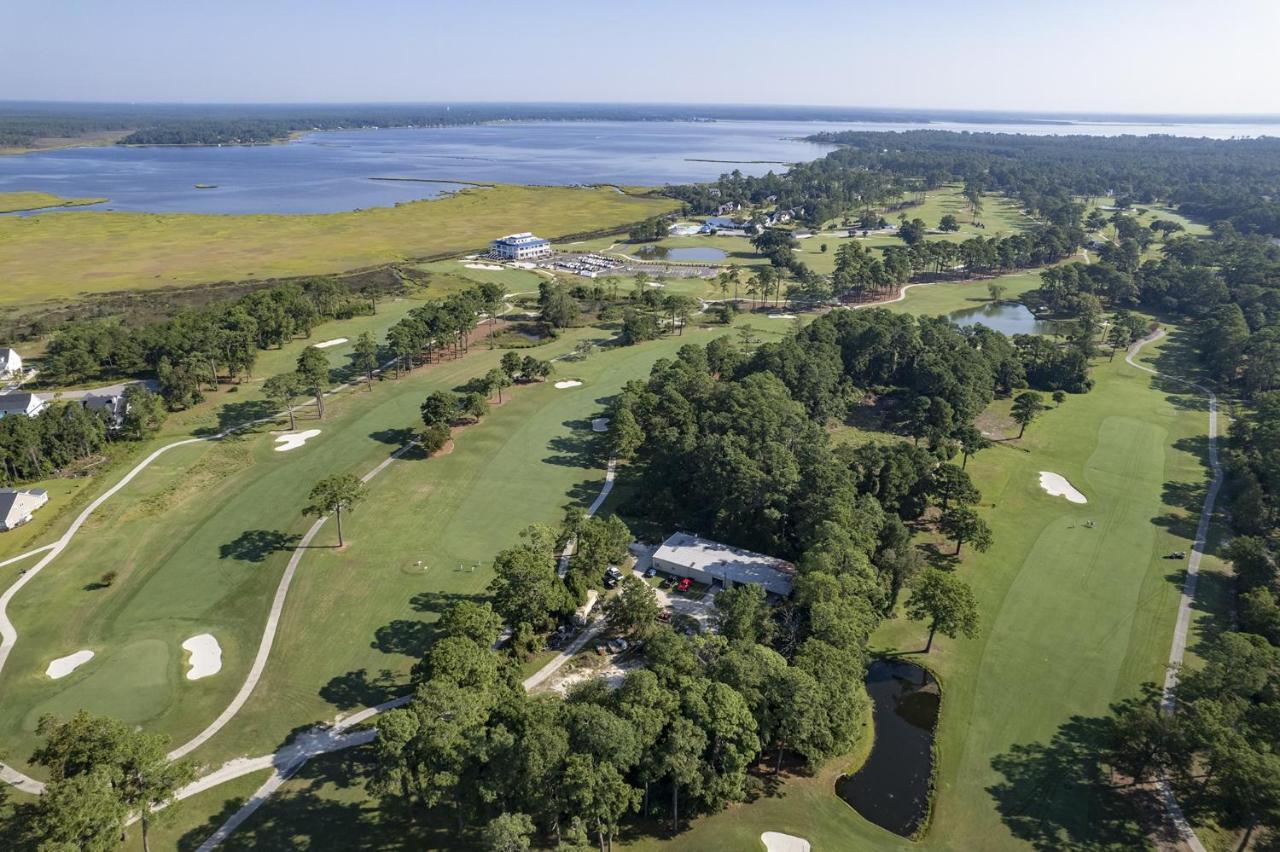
(724,105)
(1090,57)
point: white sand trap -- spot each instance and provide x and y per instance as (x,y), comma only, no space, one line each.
(206,656)
(1057,485)
(337,341)
(656,284)
(776,841)
(782,316)
(568,383)
(64,666)
(524,264)
(600,424)
(489,266)
(292,440)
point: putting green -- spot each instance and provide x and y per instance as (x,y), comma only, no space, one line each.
(127,682)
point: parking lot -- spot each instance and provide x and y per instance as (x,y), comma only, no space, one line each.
(699,608)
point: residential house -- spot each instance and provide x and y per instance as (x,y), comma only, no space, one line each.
(24,404)
(16,507)
(10,363)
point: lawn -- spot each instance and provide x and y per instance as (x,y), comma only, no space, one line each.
(93,252)
(948,296)
(13,202)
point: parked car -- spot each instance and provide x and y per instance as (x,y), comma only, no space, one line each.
(623,645)
(612,571)
(652,572)
(610,582)
(684,585)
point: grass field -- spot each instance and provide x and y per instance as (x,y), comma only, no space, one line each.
(12,202)
(94,252)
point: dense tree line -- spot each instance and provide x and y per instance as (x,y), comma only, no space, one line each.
(1233,180)
(201,346)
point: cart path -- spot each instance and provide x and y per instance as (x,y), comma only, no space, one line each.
(322,740)
(9,633)
(1183,625)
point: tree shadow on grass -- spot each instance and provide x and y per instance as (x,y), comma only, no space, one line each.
(308,815)
(357,689)
(394,437)
(237,414)
(1056,796)
(438,603)
(257,545)
(572,451)
(409,637)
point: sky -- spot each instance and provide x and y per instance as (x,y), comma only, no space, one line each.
(1135,56)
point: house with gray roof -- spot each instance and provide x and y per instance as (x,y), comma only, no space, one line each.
(708,562)
(17,507)
(23,404)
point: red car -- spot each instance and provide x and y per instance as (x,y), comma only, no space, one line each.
(684,585)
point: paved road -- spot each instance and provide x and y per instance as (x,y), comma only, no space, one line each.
(1183,624)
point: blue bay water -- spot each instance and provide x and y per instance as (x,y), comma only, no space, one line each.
(335,171)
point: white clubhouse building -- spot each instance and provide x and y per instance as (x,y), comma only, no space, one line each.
(522,246)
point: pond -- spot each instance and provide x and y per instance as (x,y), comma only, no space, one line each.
(700,253)
(1005,317)
(892,787)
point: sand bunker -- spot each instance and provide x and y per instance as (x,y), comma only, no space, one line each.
(64,666)
(600,424)
(493,267)
(776,841)
(337,341)
(568,383)
(206,656)
(782,316)
(292,440)
(1057,485)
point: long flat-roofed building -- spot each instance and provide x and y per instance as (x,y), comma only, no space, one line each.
(523,246)
(705,561)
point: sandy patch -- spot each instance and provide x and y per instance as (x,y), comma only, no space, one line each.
(492,267)
(64,666)
(782,316)
(1057,486)
(292,440)
(600,424)
(568,383)
(206,656)
(776,841)
(337,341)
(656,284)
(524,264)
(592,667)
